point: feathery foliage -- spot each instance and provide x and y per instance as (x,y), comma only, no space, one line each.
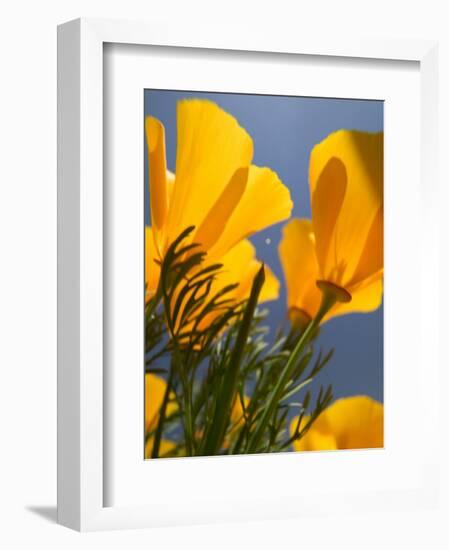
(221,370)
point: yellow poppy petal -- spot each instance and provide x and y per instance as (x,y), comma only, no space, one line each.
(237,267)
(271,285)
(266,201)
(314,440)
(372,257)
(152,268)
(170,179)
(361,154)
(300,266)
(327,200)
(154,395)
(237,409)
(349,423)
(170,185)
(157,166)
(357,422)
(211,146)
(237,419)
(366,297)
(165,447)
(218,216)
(241,266)
(317,438)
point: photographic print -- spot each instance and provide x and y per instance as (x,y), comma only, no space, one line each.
(263,274)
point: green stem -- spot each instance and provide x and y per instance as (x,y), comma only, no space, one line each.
(162,412)
(235,448)
(182,367)
(177,360)
(214,435)
(188,426)
(327,301)
(152,304)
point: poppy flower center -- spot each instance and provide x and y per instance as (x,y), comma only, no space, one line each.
(299,317)
(340,293)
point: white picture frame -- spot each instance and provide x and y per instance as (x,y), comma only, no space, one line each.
(81,488)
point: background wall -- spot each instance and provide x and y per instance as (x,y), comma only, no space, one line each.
(28,270)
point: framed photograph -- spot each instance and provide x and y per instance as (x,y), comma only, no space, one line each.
(247,267)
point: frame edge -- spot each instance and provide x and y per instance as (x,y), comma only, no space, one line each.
(68,267)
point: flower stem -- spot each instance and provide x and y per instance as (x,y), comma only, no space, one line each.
(215,434)
(162,412)
(188,424)
(327,301)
